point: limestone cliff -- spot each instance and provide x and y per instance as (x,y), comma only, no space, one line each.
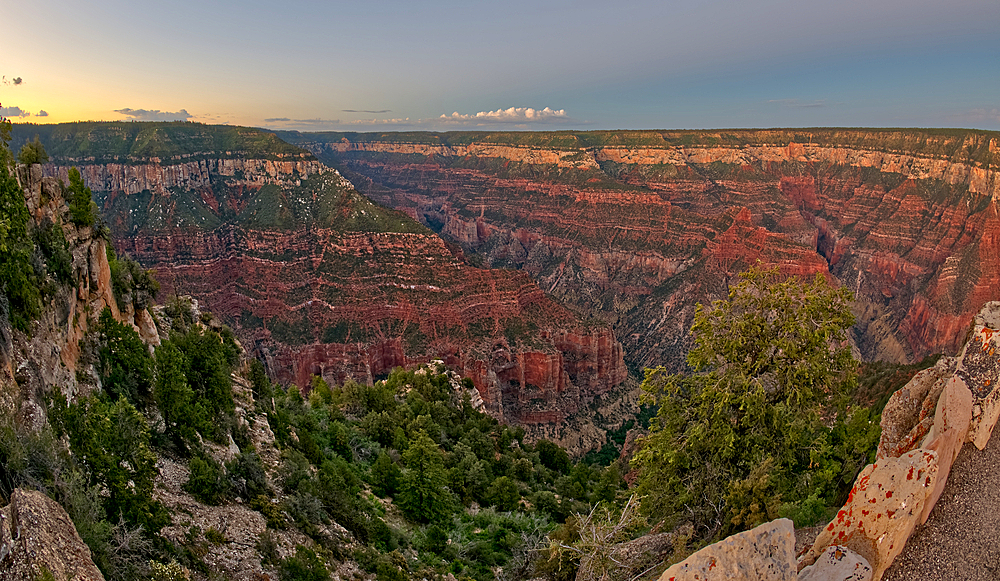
(635,227)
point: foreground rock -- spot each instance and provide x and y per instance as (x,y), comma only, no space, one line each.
(766,552)
(37,538)
(838,563)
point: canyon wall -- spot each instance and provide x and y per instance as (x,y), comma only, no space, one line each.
(636,227)
(317,280)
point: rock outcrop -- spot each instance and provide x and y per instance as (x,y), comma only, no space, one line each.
(837,563)
(39,541)
(637,226)
(766,552)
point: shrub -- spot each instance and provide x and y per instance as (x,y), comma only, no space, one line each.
(206,481)
(305,565)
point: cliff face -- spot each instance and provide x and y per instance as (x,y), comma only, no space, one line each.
(638,226)
(51,355)
(318,280)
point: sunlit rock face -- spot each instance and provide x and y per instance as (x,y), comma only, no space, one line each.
(636,227)
(318,280)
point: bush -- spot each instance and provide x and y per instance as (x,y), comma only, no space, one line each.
(744,431)
(206,481)
(111,441)
(305,565)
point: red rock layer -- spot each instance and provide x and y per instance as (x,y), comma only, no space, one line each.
(322,299)
(636,235)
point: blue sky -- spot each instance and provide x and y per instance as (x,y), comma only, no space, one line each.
(388,65)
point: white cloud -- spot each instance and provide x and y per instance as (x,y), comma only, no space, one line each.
(154,114)
(510,115)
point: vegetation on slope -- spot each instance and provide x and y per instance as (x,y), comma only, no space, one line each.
(169,142)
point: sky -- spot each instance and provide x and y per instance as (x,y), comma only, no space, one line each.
(386,65)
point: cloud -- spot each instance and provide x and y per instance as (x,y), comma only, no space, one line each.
(13,112)
(154,115)
(367,111)
(42,113)
(517,115)
(400,122)
(977,116)
(796,104)
(17,80)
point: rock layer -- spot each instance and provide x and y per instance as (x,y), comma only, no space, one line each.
(317,280)
(636,226)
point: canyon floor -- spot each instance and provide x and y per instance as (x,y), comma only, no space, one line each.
(961,539)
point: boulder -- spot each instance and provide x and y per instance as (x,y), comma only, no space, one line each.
(884,506)
(766,553)
(979,367)
(37,538)
(946,436)
(837,563)
(909,414)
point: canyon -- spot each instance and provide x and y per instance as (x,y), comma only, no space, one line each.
(316,280)
(636,227)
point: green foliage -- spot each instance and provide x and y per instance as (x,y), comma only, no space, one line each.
(385,476)
(130,282)
(125,366)
(215,536)
(305,565)
(504,494)
(51,240)
(422,495)
(32,152)
(552,456)
(82,209)
(260,383)
(414,438)
(194,385)
(20,302)
(111,441)
(743,434)
(206,482)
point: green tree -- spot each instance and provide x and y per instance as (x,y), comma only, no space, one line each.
(423,496)
(503,494)
(182,415)
(82,209)
(385,476)
(111,440)
(125,365)
(17,277)
(32,152)
(742,433)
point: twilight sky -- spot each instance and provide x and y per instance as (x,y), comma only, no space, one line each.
(377,65)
